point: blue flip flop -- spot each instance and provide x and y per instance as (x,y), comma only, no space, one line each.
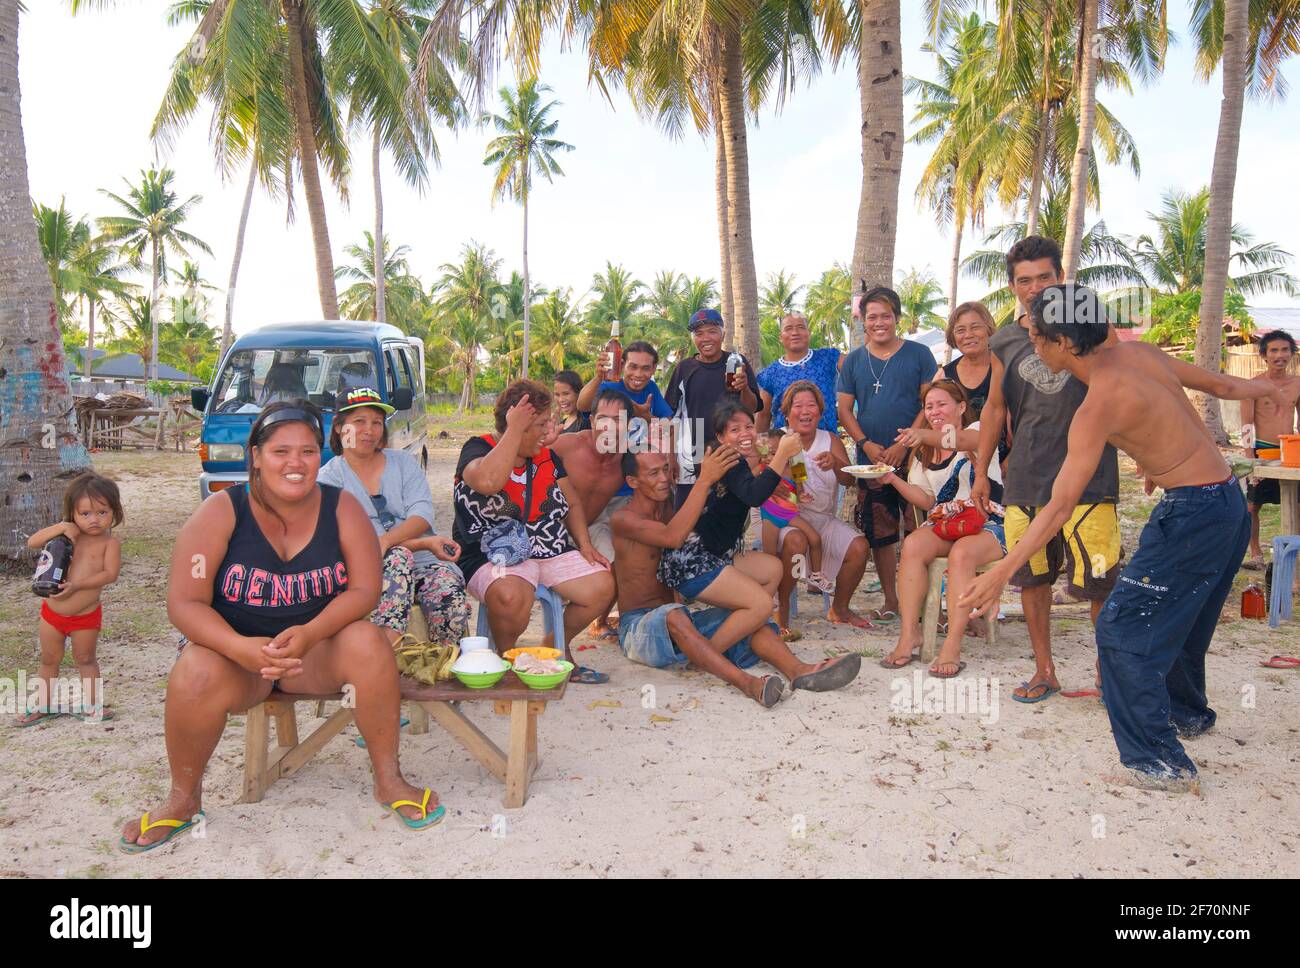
(45,715)
(361,740)
(1050,691)
(427,819)
(588,677)
(128,847)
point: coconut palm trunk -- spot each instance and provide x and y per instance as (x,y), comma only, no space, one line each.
(958,223)
(381,314)
(153,309)
(39,449)
(528,292)
(90,335)
(880,97)
(1083,151)
(724,224)
(227,328)
(1218,229)
(744,277)
(329,302)
(1044,126)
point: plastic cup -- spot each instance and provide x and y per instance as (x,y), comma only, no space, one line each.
(474,643)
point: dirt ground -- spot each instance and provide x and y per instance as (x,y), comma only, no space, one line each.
(670,773)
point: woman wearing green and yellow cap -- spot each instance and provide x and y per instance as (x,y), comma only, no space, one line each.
(419,565)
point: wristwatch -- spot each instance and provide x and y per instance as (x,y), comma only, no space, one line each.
(861,442)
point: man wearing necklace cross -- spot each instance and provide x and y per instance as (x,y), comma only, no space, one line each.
(878,391)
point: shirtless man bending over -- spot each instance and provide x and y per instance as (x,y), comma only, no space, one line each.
(656,631)
(1156,625)
(594,458)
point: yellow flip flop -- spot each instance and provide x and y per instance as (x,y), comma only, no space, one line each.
(426,818)
(128,847)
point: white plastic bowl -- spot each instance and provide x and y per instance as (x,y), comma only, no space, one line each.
(474,643)
(480,662)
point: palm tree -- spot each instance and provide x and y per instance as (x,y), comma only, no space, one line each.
(405,294)
(560,333)
(97,272)
(827,307)
(920,294)
(137,331)
(1105,260)
(880,97)
(242,76)
(957,113)
(60,239)
(778,298)
(1250,39)
(466,336)
(1175,257)
(619,297)
(525,146)
(153,220)
(190,343)
(402,120)
(40,446)
(1134,29)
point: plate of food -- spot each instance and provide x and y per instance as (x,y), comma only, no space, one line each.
(868,471)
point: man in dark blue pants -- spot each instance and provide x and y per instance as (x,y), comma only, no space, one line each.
(1154,630)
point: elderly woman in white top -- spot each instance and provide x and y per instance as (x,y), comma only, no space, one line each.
(419,565)
(844,549)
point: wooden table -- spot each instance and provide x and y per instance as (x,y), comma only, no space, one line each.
(514,767)
(1289,479)
(108,428)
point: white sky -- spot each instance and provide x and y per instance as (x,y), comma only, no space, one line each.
(91,85)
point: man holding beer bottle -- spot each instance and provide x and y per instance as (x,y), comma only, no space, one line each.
(696,387)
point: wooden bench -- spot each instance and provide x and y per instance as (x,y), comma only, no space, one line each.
(264,765)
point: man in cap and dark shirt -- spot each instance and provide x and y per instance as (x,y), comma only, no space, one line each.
(696,387)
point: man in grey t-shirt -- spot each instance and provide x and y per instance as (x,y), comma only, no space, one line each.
(1042,404)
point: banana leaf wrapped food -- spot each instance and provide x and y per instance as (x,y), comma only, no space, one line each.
(428,662)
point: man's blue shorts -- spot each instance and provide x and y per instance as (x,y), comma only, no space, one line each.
(643,636)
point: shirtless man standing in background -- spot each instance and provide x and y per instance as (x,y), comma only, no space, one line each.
(1269,423)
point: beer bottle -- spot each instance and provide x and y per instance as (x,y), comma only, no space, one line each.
(52,567)
(799,469)
(612,354)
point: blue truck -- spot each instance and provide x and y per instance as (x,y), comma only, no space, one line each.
(316,361)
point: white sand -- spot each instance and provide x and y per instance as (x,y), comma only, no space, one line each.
(824,785)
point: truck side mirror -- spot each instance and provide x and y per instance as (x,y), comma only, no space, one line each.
(403,398)
(199,397)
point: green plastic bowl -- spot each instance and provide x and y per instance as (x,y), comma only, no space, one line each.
(546,682)
(480,680)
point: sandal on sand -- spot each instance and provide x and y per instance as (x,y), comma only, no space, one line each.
(820,583)
(1047,687)
(1081,693)
(129,847)
(884,615)
(588,677)
(1281,662)
(836,674)
(773,690)
(788,634)
(427,818)
(947,675)
(889,662)
(100,715)
(1254,563)
(34,716)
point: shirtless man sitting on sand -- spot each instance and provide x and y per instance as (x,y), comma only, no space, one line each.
(594,458)
(1156,625)
(655,630)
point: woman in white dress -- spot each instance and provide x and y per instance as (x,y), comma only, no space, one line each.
(844,548)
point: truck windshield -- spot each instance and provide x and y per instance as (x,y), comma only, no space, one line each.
(251,379)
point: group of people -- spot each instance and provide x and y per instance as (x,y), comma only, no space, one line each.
(611,492)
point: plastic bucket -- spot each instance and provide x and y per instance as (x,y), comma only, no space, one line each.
(1290,450)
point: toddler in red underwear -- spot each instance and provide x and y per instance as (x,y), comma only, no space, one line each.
(91,509)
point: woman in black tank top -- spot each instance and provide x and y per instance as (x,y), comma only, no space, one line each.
(272,586)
